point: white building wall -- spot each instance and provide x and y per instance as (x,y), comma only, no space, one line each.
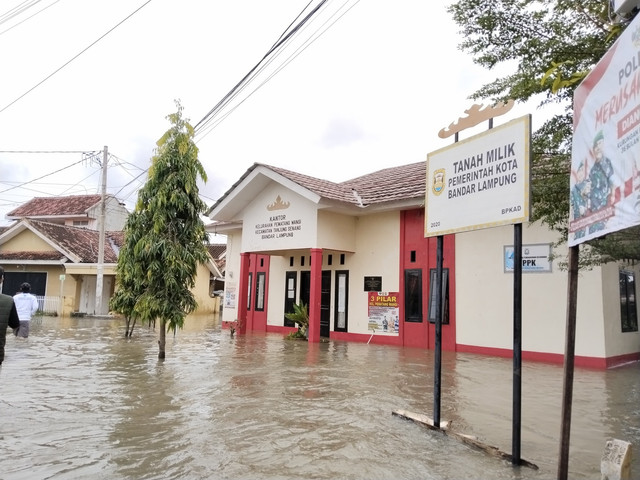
(115,215)
(232,276)
(337,232)
(377,254)
(618,342)
(484,297)
(266,229)
(278,265)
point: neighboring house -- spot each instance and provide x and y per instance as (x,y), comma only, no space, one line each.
(218,254)
(356,253)
(74,210)
(60,260)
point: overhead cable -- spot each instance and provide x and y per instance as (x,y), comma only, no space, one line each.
(76,56)
(207,118)
(289,59)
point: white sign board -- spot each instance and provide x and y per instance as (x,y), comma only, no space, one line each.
(605,160)
(480,182)
(536,258)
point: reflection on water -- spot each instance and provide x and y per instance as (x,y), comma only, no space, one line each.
(81,401)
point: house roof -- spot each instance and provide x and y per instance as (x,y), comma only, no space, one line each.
(386,185)
(55,206)
(217,253)
(383,187)
(215,250)
(80,245)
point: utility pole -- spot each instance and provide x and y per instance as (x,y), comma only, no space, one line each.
(101,221)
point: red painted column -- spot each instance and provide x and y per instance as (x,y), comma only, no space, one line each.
(315,295)
(242,292)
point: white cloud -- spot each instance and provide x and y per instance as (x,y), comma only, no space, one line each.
(371,92)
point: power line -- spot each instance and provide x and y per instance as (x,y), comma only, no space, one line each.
(283,39)
(17,10)
(76,56)
(43,176)
(315,36)
(88,152)
(29,17)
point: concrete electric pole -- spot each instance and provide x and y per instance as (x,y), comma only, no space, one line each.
(101,222)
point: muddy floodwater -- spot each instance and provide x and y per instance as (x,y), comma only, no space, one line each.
(79,401)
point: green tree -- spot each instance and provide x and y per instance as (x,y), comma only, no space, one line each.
(165,237)
(548,46)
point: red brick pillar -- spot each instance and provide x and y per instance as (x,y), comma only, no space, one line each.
(315,295)
(242,292)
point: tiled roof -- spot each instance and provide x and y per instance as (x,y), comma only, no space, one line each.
(78,241)
(387,185)
(391,184)
(324,188)
(221,263)
(116,237)
(51,255)
(55,206)
(215,250)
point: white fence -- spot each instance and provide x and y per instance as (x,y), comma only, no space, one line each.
(48,305)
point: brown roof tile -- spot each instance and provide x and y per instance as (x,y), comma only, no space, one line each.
(406,182)
(215,250)
(55,206)
(390,184)
(78,241)
(52,255)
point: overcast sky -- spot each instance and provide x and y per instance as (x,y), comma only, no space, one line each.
(370,89)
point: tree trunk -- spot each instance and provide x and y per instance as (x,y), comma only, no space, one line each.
(162,340)
(127,323)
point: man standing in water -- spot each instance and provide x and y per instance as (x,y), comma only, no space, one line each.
(26,305)
(8,316)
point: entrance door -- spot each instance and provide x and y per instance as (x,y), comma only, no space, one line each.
(289,296)
(325,297)
(305,287)
(325,303)
(257,314)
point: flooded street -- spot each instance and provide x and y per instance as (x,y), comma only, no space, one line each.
(78,401)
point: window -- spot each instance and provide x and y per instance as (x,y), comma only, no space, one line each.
(413,295)
(249,291)
(444,294)
(628,307)
(80,223)
(260,278)
(341,301)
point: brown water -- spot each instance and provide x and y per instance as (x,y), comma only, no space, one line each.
(79,401)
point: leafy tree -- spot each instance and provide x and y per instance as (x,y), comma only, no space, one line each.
(548,46)
(165,238)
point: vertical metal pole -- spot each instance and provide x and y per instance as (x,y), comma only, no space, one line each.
(437,374)
(437,367)
(101,221)
(569,358)
(517,343)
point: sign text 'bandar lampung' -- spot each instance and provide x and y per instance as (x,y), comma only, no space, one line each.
(480,182)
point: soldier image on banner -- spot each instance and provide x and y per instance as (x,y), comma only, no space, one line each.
(600,178)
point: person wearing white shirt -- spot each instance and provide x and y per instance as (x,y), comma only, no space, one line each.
(26,305)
